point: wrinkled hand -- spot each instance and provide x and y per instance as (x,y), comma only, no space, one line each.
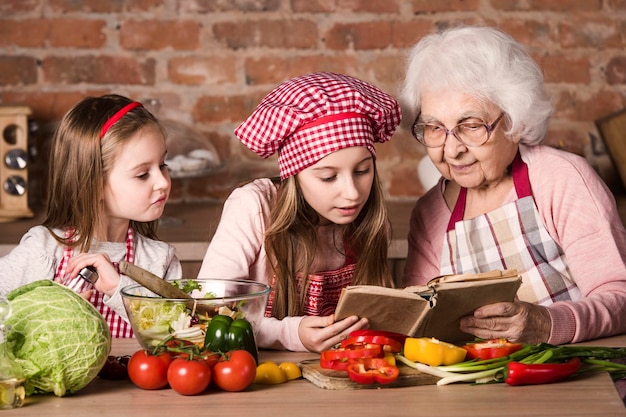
(517,322)
(321,333)
(108,278)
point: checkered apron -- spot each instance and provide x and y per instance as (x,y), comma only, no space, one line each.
(117,325)
(323,289)
(510,237)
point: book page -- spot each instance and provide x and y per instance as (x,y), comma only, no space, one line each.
(453,300)
(388,309)
(495,274)
(428,311)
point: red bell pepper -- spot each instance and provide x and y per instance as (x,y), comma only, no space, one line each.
(371,370)
(337,359)
(388,344)
(491,349)
(540,373)
(392,335)
(354,351)
(335,365)
(359,345)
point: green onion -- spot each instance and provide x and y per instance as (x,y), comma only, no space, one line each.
(492,370)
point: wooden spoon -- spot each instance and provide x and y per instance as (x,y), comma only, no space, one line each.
(162,287)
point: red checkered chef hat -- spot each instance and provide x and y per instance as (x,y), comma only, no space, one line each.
(311,116)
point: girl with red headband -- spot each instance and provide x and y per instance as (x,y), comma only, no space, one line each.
(108,185)
(323,225)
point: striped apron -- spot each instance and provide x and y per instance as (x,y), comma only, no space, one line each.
(117,325)
(510,237)
(323,290)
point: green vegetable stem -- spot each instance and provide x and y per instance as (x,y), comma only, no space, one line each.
(571,361)
(224,334)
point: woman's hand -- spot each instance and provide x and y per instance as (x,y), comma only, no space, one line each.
(321,333)
(517,322)
(108,278)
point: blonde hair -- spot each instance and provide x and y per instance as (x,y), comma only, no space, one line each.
(80,161)
(291,244)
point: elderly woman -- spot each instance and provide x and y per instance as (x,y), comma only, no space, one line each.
(504,200)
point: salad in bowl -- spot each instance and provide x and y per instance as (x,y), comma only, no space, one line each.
(154,318)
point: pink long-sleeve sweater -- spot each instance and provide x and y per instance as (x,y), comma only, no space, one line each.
(579,213)
(237,251)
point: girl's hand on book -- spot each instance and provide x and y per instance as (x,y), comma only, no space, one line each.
(322,333)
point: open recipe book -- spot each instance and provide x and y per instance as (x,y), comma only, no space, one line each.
(431,310)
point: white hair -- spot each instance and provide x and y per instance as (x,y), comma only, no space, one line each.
(487,64)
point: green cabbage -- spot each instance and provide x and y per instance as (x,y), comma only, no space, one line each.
(57,337)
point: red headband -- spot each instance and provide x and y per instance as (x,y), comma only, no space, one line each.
(117,116)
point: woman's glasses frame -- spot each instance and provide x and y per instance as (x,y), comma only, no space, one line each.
(454,131)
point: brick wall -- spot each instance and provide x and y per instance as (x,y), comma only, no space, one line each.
(209,62)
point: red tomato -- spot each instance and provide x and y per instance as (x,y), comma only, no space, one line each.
(236,372)
(179,348)
(210,358)
(178,343)
(149,371)
(188,377)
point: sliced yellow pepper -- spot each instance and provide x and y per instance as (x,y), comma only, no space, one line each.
(390,358)
(432,351)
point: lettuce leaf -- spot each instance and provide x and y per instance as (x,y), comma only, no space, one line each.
(155,320)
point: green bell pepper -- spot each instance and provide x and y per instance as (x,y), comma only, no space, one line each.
(224,334)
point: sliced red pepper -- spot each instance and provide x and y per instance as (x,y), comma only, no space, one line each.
(540,373)
(338,365)
(491,349)
(354,351)
(371,370)
(392,335)
(388,344)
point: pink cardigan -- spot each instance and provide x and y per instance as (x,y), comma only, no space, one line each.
(579,212)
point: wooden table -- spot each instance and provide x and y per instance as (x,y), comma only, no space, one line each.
(591,395)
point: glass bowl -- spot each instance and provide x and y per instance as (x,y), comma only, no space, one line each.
(154,318)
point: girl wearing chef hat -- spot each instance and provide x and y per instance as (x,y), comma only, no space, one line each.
(323,225)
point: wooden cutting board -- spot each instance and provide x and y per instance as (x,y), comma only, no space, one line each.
(338,380)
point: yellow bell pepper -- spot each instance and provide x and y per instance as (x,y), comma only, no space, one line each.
(432,351)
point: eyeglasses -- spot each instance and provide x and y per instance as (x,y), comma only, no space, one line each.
(471,134)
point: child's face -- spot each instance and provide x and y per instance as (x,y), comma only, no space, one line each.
(138,184)
(339,184)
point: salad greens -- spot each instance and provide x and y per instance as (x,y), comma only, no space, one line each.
(156,320)
(187,285)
